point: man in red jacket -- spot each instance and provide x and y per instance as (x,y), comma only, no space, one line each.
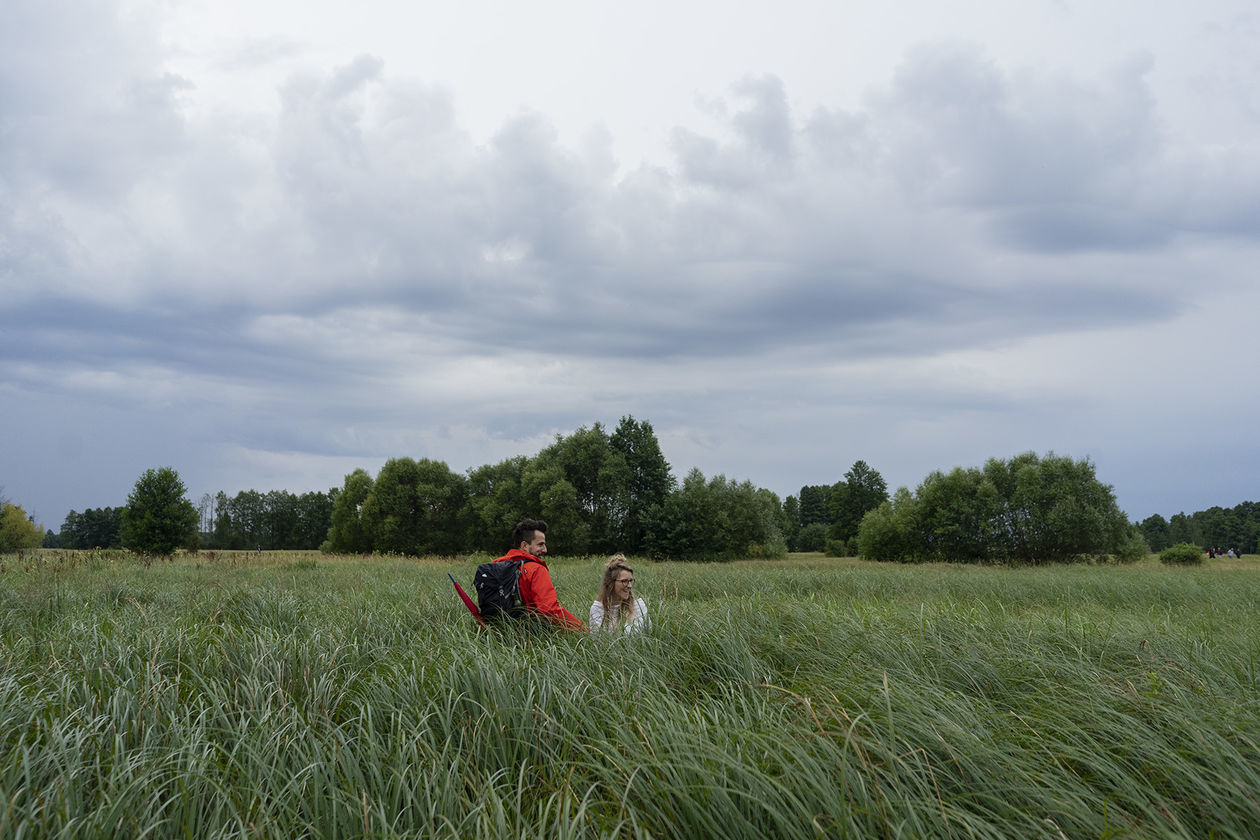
(537,591)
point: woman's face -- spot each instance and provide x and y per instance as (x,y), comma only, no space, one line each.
(623,584)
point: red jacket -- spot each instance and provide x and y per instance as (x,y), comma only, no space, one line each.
(539,593)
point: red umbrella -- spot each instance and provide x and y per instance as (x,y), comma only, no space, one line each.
(468,602)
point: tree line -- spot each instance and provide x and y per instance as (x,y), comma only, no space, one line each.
(267,521)
(1217,527)
(599,492)
(604,492)
(94,528)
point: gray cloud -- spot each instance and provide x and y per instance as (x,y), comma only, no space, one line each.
(353,272)
(763,143)
(1056,164)
(87,108)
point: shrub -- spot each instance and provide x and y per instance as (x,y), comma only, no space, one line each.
(771,550)
(842,548)
(813,537)
(775,549)
(1133,548)
(888,532)
(1182,554)
(17,531)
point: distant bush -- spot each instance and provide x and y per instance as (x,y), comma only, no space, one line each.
(813,537)
(842,548)
(1133,548)
(774,550)
(1182,554)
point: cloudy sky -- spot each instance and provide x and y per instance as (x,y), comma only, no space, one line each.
(266,242)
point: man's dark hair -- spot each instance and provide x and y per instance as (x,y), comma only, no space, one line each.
(524,531)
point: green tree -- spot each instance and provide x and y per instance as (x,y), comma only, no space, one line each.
(1055,509)
(1155,530)
(792,523)
(495,503)
(205,517)
(441,497)
(812,537)
(1216,526)
(890,532)
(273,520)
(346,534)
(1237,527)
(1026,510)
(94,528)
(648,480)
(279,519)
(692,523)
(242,521)
(815,504)
(1184,529)
(862,490)
(390,515)
(955,514)
(159,518)
(314,518)
(17,530)
(581,486)
(223,531)
(414,507)
(588,495)
(550,496)
(718,519)
(1132,548)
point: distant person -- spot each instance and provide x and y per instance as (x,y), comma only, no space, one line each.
(529,539)
(616,609)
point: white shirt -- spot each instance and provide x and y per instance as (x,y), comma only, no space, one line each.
(639,621)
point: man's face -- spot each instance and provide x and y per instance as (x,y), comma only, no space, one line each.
(536,546)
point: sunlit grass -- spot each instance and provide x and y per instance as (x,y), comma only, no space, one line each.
(291,695)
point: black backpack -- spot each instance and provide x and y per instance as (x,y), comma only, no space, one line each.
(499,590)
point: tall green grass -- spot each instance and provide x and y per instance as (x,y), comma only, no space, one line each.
(290,696)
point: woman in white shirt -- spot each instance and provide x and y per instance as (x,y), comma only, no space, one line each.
(616,608)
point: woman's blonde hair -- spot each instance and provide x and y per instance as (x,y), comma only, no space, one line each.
(615,566)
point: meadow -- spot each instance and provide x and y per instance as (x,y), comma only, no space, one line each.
(300,695)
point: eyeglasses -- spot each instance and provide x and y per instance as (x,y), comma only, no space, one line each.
(625,580)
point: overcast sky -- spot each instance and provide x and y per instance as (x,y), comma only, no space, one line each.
(266,242)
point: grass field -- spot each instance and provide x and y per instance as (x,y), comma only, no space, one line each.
(296,695)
